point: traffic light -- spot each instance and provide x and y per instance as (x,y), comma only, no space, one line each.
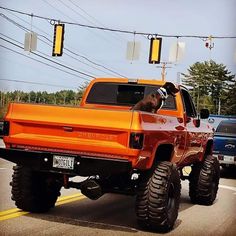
(155,51)
(58,40)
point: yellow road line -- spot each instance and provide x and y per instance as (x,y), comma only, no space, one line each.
(13,215)
(69,197)
(67,200)
(15,212)
(2,213)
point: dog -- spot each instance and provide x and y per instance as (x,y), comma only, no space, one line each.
(154,101)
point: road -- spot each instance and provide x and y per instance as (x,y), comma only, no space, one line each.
(114,214)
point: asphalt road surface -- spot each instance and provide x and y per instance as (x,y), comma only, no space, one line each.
(114,214)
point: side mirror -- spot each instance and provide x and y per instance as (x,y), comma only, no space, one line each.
(204,113)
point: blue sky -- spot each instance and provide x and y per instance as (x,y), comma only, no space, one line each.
(101,53)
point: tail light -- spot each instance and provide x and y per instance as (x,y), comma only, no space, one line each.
(4,128)
(136,140)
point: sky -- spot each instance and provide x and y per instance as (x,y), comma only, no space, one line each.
(90,53)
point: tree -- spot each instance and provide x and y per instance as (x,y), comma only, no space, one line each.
(63,97)
(229,107)
(210,85)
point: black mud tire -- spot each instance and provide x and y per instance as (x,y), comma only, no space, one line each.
(204,181)
(158,197)
(34,191)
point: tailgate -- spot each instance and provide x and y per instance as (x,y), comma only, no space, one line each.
(68,129)
(225,145)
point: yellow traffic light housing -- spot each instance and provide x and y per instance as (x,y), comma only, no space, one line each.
(155,51)
(58,40)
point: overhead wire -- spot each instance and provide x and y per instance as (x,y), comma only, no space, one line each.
(119,30)
(75,11)
(27,30)
(92,17)
(37,83)
(95,21)
(44,63)
(36,59)
(67,67)
(97,64)
(65,48)
(69,17)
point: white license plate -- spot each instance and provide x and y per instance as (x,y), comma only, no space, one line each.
(229,158)
(63,162)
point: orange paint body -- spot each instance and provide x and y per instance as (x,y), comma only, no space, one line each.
(104,130)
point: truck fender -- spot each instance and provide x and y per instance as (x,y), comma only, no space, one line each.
(163,153)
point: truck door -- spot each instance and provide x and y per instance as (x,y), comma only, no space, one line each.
(194,134)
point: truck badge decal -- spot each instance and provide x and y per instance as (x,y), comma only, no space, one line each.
(230,146)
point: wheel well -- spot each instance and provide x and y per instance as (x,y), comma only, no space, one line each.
(164,152)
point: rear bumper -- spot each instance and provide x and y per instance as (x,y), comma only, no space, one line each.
(83,165)
(226,159)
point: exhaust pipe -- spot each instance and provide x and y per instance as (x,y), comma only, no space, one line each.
(91,189)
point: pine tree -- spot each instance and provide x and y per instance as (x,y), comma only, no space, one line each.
(210,85)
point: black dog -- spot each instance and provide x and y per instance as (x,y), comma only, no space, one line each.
(154,101)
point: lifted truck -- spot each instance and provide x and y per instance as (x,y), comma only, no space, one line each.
(120,150)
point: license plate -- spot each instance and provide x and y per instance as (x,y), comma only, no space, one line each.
(229,158)
(63,162)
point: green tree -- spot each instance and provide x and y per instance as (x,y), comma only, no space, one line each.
(81,91)
(229,107)
(210,85)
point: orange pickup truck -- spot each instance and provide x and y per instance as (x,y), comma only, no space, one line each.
(120,150)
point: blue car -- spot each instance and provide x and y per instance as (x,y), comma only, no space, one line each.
(224,147)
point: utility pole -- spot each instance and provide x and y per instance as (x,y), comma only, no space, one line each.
(219,106)
(163,70)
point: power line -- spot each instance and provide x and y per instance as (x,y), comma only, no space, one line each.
(67,67)
(75,11)
(118,30)
(27,82)
(97,64)
(89,31)
(117,37)
(19,53)
(48,60)
(88,20)
(66,49)
(76,5)
(26,23)
(69,17)
(27,29)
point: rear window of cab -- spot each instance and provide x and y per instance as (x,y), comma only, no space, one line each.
(124,94)
(227,127)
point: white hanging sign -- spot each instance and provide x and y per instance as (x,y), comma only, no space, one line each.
(30,42)
(177,51)
(133,51)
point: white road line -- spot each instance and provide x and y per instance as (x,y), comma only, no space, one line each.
(227,187)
